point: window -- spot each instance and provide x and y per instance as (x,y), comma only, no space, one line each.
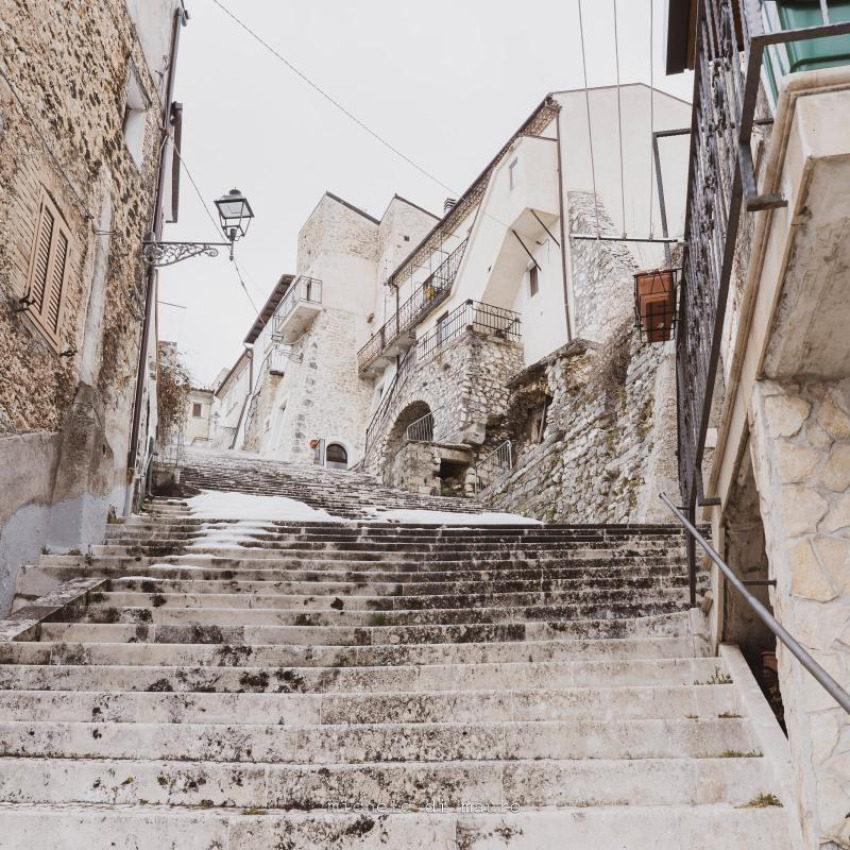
(513,175)
(533,281)
(196,410)
(135,119)
(443,329)
(48,271)
(336,457)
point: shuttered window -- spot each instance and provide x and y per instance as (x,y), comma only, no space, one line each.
(48,272)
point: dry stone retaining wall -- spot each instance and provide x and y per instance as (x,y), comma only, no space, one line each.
(605,456)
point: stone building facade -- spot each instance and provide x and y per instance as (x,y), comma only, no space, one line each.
(82,106)
(606,442)
(412,319)
(463,387)
(306,403)
(521,244)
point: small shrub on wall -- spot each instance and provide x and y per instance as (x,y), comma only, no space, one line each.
(172,390)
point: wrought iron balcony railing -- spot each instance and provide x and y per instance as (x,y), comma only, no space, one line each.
(469,316)
(426,296)
(739,47)
(302,290)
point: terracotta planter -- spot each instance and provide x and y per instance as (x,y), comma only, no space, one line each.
(655,303)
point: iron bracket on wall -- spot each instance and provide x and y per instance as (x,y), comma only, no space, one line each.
(159,254)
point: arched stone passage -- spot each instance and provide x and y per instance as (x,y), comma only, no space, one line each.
(396,438)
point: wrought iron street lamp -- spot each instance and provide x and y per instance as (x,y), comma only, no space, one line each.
(235,214)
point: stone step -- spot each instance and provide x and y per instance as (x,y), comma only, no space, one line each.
(389,592)
(154,654)
(35,581)
(373,680)
(379,740)
(119,599)
(667,827)
(524,783)
(605,702)
(360,536)
(414,559)
(198,566)
(655,617)
(587,605)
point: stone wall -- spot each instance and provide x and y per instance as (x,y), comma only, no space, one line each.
(602,272)
(69,64)
(325,399)
(800,442)
(609,443)
(465,387)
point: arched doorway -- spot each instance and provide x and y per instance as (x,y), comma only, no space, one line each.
(336,456)
(396,438)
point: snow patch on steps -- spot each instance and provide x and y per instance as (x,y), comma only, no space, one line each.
(249,509)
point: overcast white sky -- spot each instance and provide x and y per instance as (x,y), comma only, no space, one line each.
(445,81)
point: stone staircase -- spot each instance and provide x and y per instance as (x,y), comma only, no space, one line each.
(345,494)
(352,685)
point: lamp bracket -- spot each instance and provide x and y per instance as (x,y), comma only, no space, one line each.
(161,254)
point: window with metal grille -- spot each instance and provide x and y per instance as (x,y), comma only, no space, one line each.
(48,271)
(533,281)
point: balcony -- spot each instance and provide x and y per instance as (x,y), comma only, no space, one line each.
(296,312)
(746,53)
(396,336)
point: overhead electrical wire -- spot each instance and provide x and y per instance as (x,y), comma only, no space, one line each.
(620,120)
(333,101)
(651,113)
(589,123)
(344,110)
(215,224)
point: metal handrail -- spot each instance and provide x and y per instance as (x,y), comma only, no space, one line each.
(826,681)
(502,458)
(422,430)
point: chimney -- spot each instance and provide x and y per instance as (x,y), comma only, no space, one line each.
(449,205)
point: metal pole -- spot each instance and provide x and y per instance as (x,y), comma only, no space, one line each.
(562,226)
(180,19)
(829,684)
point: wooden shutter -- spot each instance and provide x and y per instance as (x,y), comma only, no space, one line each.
(48,273)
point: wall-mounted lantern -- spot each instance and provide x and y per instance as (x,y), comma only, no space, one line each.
(655,304)
(235,214)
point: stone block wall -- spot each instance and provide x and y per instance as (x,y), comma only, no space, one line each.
(602,272)
(69,65)
(607,451)
(465,387)
(800,439)
(325,399)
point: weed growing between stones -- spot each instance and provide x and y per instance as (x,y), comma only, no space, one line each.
(762,801)
(717,678)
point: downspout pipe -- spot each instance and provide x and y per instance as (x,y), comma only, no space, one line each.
(180,19)
(561,206)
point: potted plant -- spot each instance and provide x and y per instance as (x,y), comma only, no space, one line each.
(655,303)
